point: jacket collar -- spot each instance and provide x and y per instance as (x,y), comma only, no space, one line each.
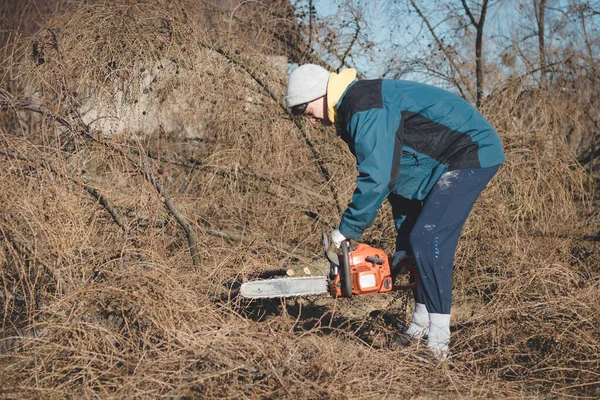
(336,86)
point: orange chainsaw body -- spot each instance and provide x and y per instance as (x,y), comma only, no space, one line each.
(370,273)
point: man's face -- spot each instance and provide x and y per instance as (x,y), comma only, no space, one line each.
(316,111)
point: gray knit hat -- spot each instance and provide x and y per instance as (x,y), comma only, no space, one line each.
(306,83)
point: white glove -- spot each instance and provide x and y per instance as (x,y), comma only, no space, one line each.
(337,238)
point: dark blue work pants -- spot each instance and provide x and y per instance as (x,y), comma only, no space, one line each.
(429,230)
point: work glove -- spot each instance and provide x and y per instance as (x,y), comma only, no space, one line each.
(337,238)
(397,257)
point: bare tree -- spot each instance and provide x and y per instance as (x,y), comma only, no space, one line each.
(540,12)
(479,62)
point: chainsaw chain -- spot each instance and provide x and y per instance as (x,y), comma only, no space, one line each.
(377,323)
(404,294)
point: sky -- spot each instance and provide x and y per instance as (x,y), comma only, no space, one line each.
(502,17)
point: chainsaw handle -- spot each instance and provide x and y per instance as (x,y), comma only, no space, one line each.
(330,254)
(414,278)
(375,260)
(346,278)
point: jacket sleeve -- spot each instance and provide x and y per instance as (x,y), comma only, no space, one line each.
(374,134)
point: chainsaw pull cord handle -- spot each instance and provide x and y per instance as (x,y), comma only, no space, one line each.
(375,260)
(346,278)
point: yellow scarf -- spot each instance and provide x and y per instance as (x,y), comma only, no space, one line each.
(335,88)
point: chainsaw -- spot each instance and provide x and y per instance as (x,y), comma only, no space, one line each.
(357,271)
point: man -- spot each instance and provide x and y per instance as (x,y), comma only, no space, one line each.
(426,150)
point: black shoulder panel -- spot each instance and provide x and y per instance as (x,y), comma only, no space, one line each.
(362,96)
(455,149)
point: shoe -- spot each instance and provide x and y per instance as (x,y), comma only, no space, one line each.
(417,331)
(401,340)
(438,340)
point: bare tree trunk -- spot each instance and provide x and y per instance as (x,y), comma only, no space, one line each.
(479,64)
(540,12)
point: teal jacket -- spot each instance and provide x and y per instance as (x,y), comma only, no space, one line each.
(404,136)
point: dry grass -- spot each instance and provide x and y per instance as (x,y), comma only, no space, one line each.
(101,296)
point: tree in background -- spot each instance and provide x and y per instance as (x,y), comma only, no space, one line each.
(468,45)
(474,47)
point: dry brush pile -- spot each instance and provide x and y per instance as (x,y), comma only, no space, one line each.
(148,166)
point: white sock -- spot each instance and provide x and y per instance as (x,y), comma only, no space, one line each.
(439,334)
(419,325)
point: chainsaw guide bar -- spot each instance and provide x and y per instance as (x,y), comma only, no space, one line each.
(285,287)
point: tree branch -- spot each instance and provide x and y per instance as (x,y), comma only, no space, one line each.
(316,155)
(146,173)
(457,83)
(91,190)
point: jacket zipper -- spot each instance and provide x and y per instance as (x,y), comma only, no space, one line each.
(410,153)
